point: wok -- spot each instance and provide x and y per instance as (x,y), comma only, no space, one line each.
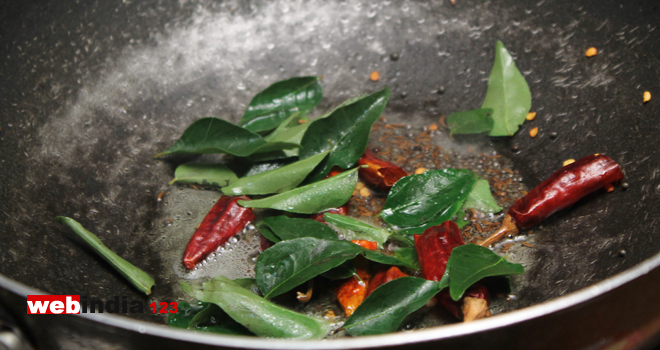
(91,90)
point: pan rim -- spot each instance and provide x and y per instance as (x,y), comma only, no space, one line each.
(364,342)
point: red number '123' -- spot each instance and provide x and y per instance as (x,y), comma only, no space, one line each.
(164,307)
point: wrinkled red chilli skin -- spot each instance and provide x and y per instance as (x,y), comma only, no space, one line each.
(434,248)
(380,173)
(343,210)
(383,276)
(225,219)
(477,290)
(563,188)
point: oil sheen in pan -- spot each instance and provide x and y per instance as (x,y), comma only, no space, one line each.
(184,207)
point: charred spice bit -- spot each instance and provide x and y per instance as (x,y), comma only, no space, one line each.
(553,135)
(562,189)
(527,244)
(569,161)
(534,132)
(225,220)
(306,297)
(329,315)
(194,186)
(433,248)
(591,52)
(530,116)
(609,187)
(647,96)
(374,76)
(160,196)
(625,186)
(433,127)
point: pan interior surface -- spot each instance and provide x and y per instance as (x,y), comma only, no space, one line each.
(91,92)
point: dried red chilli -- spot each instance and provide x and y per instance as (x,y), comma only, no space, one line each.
(562,189)
(383,276)
(352,291)
(225,220)
(379,173)
(434,247)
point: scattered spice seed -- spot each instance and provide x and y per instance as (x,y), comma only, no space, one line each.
(569,161)
(647,96)
(330,315)
(160,196)
(302,121)
(506,247)
(359,185)
(527,244)
(442,122)
(433,127)
(609,188)
(534,132)
(195,186)
(530,116)
(374,76)
(592,51)
(420,171)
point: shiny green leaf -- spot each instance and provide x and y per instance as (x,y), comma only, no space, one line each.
(470,263)
(471,122)
(287,264)
(481,198)
(332,192)
(204,174)
(400,260)
(446,214)
(214,135)
(343,271)
(508,94)
(259,315)
(386,307)
(290,228)
(275,181)
(353,229)
(345,132)
(140,279)
(418,199)
(205,317)
(402,240)
(277,102)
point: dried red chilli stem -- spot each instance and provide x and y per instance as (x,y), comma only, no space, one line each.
(225,220)
(562,189)
(434,247)
(379,173)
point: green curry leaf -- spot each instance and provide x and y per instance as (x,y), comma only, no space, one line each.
(279,101)
(287,264)
(508,94)
(470,263)
(471,122)
(287,228)
(418,199)
(344,132)
(259,315)
(481,198)
(275,181)
(204,174)
(140,279)
(214,135)
(353,229)
(332,192)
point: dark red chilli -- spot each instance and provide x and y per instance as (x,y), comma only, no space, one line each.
(434,247)
(379,173)
(383,276)
(562,189)
(225,220)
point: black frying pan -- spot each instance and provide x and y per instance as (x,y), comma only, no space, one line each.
(92,90)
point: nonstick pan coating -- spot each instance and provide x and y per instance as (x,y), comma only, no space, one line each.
(90,91)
